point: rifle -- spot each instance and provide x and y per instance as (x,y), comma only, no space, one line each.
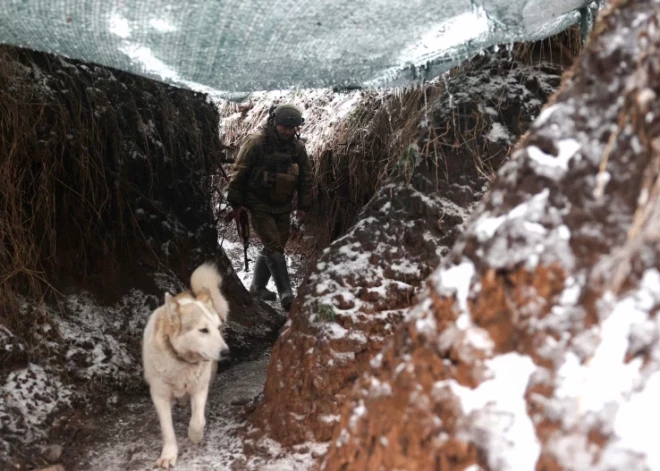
(243,228)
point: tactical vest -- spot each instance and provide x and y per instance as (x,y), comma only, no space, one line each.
(275,178)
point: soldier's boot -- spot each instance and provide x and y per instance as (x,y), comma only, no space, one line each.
(260,280)
(277,264)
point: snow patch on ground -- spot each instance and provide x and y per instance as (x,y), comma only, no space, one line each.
(350,278)
(29,396)
(87,342)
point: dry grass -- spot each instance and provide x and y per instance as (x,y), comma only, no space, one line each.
(77,154)
(365,151)
(561,49)
(378,141)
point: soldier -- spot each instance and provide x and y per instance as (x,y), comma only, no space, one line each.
(271,166)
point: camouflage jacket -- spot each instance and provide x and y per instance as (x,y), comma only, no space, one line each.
(268,172)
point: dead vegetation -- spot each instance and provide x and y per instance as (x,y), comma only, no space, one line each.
(561,49)
(87,158)
(363,154)
(388,134)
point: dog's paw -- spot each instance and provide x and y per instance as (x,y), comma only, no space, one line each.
(167,458)
(195,434)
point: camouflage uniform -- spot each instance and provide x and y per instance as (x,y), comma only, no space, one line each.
(265,176)
(267,173)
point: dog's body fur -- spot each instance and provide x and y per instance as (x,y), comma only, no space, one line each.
(181,347)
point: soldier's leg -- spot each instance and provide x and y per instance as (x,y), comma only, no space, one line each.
(265,227)
(277,262)
(283,222)
(276,234)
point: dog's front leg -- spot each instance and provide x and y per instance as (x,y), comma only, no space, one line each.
(170,450)
(197,420)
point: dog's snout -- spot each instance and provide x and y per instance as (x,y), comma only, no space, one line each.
(224,353)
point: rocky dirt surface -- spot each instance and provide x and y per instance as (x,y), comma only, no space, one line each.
(535,344)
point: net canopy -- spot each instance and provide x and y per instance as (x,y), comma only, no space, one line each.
(231,47)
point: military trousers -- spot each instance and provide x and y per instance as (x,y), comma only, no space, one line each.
(272,229)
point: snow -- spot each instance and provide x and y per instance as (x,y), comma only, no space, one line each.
(498,132)
(488,226)
(456,280)
(531,220)
(446,36)
(496,413)
(132,437)
(118,25)
(358,412)
(352,280)
(609,390)
(94,352)
(545,114)
(85,334)
(29,396)
(606,378)
(551,166)
(631,434)
(162,25)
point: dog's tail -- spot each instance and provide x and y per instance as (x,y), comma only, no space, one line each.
(206,276)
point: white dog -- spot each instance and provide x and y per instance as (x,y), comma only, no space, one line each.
(181,347)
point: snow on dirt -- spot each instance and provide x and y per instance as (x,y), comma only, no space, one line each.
(94,343)
(88,343)
(129,439)
(561,390)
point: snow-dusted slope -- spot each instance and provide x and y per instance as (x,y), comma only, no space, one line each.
(536,343)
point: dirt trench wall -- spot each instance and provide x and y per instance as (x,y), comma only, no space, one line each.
(535,344)
(110,175)
(364,284)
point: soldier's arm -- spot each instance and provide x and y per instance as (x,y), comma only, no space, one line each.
(305,182)
(240,174)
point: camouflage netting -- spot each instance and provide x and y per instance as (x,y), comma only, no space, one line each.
(240,46)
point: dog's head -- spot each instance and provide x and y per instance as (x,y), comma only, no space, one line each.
(196,332)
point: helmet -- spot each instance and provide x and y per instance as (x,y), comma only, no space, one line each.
(288,115)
